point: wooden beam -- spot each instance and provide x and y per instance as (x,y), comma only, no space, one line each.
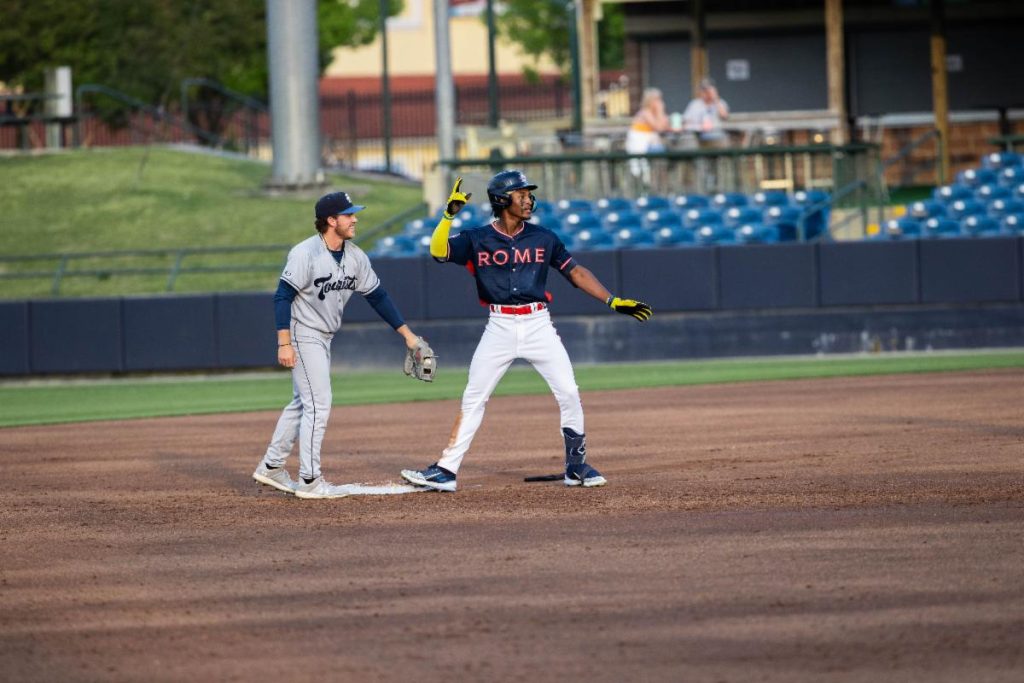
(836,61)
(940,92)
(698,46)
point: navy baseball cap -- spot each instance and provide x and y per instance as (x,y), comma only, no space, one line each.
(336,203)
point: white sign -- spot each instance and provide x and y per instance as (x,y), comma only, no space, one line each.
(954,63)
(737,69)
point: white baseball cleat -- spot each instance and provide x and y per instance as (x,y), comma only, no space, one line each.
(277,477)
(583,475)
(319,488)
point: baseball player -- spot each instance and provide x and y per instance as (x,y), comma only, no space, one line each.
(319,277)
(509,258)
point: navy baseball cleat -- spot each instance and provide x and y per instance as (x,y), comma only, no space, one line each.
(433,477)
(583,475)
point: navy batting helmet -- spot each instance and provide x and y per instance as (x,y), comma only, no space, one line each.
(504,183)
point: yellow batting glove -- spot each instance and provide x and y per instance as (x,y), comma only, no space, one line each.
(456,200)
(637,309)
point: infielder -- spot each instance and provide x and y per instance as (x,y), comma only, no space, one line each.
(318,280)
(509,259)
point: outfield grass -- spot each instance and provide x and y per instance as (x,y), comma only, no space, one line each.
(79,401)
(139,198)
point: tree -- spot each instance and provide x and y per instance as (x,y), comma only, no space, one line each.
(145,48)
(541,29)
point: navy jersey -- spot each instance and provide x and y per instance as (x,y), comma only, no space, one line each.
(510,270)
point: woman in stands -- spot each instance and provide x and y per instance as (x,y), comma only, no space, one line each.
(644,135)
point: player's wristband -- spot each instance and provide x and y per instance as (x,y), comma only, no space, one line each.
(280,345)
(609,300)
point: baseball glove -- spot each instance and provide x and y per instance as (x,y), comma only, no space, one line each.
(421,361)
(637,309)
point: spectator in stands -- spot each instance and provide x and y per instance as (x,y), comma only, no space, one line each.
(644,135)
(704,116)
(703,120)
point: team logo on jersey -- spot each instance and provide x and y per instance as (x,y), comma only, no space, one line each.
(501,257)
(325,285)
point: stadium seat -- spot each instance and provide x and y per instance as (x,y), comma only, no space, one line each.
(1013,223)
(755,233)
(631,238)
(420,226)
(962,208)
(685,202)
(565,206)
(606,204)
(927,208)
(574,222)
(713,233)
(976,177)
(763,200)
(542,206)
(471,214)
(738,215)
(809,197)
(1004,207)
(899,228)
(951,193)
(1018,191)
(940,227)
(395,245)
(1001,160)
(979,225)
(1011,177)
(652,202)
(724,200)
(668,236)
(422,245)
(987,193)
(662,218)
(622,219)
(696,217)
(592,238)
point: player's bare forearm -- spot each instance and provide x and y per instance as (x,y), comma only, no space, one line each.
(588,282)
(408,335)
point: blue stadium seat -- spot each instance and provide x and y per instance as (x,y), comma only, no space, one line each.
(652,202)
(1011,177)
(685,202)
(668,236)
(940,227)
(755,233)
(592,238)
(395,245)
(962,208)
(1004,207)
(574,222)
(544,207)
(471,214)
(622,219)
(979,225)
(781,214)
(987,193)
(420,226)
(738,215)
(724,200)
(1018,192)
(950,193)
(1014,223)
(809,197)
(566,238)
(1001,160)
(928,208)
(976,177)
(713,233)
(770,198)
(632,238)
(697,217)
(422,245)
(662,218)
(899,228)
(606,204)
(549,221)
(565,206)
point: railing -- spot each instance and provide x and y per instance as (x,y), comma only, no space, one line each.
(170,262)
(703,171)
(255,112)
(156,115)
(1009,143)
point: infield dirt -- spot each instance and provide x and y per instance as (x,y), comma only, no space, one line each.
(858,529)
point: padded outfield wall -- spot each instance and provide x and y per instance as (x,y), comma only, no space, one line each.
(833,297)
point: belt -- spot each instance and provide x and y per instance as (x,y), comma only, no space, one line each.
(519,310)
